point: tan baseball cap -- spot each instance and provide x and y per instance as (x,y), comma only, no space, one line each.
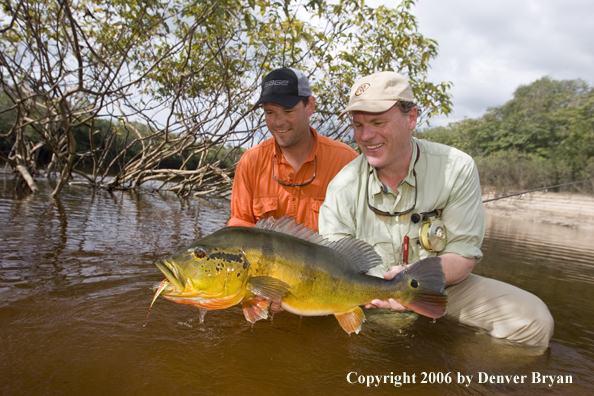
(378,92)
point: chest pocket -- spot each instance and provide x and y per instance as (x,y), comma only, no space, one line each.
(265,206)
(315,203)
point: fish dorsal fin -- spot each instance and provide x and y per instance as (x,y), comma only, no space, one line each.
(288,225)
(360,255)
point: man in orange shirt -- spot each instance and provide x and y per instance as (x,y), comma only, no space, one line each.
(287,174)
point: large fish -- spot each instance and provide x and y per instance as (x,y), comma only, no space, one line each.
(281,260)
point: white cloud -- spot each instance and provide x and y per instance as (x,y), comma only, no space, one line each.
(487,49)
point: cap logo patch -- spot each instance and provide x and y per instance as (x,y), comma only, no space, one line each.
(362,88)
(275,82)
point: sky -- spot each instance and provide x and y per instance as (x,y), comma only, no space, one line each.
(488,48)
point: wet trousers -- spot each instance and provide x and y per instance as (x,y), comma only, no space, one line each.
(501,310)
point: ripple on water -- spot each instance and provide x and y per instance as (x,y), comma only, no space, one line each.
(75,278)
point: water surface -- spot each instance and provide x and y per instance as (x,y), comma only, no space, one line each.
(75,286)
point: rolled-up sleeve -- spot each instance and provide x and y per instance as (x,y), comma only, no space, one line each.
(464,215)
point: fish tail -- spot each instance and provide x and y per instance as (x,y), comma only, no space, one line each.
(423,288)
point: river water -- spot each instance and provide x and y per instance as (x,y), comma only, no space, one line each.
(75,287)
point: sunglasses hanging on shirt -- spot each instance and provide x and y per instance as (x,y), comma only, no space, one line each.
(295,184)
(381,212)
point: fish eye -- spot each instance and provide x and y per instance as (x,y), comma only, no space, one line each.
(200,253)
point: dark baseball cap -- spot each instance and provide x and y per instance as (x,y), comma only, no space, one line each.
(285,86)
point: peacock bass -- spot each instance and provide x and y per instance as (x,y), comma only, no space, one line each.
(281,260)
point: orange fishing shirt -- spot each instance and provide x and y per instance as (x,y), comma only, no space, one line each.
(256,195)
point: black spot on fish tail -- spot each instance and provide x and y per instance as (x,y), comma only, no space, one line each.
(426,281)
(226,256)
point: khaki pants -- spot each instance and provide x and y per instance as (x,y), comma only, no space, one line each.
(500,309)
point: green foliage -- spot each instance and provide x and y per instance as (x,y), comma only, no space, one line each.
(544,135)
(512,170)
(128,87)
(334,43)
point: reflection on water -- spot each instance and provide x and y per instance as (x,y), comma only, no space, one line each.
(75,278)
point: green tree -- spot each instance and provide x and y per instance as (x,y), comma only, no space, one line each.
(126,87)
(547,128)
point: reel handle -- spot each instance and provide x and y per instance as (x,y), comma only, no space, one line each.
(424,216)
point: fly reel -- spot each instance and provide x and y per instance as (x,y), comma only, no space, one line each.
(432,234)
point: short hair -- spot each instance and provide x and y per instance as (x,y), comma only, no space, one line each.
(404,106)
(304,100)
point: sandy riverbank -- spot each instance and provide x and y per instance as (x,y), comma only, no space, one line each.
(565,209)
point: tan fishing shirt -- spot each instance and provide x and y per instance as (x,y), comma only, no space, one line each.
(447,179)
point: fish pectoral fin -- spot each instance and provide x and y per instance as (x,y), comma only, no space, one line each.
(268,287)
(255,308)
(351,321)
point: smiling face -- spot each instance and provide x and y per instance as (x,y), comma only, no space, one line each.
(289,125)
(385,138)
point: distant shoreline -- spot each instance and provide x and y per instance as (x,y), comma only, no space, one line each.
(564,209)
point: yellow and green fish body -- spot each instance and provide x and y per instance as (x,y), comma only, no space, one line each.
(280,260)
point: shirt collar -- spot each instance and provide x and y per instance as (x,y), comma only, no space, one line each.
(377,186)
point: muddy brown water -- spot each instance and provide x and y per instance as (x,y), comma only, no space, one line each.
(75,287)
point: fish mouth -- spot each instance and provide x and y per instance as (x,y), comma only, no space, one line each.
(171,274)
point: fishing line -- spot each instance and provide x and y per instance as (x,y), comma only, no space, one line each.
(526,192)
(536,189)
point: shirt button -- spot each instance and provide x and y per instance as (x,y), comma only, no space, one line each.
(293,199)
